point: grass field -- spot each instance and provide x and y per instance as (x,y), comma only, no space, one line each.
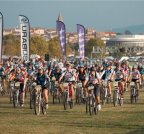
(126,119)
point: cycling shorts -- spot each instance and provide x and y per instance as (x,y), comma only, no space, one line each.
(135,80)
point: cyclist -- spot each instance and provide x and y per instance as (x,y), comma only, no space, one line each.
(68,76)
(55,75)
(82,73)
(42,80)
(93,79)
(107,76)
(126,70)
(20,77)
(141,70)
(119,77)
(2,74)
(135,77)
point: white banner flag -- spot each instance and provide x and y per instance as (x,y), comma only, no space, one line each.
(25,37)
(1,35)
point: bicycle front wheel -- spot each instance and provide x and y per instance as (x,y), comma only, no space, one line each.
(37,104)
(43,107)
(115,98)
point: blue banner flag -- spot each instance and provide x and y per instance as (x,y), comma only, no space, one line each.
(62,36)
(81,40)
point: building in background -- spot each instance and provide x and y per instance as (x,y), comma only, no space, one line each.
(131,43)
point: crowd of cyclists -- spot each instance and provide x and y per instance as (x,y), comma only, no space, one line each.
(71,72)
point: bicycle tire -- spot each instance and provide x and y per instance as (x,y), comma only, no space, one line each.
(132,95)
(115,98)
(31,100)
(86,102)
(37,105)
(65,100)
(43,107)
(53,97)
(90,106)
(71,103)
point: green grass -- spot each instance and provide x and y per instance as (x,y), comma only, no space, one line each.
(126,119)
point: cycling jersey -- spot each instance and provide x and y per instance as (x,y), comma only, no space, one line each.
(106,74)
(68,76)
(135,74)
(92,79)
(82,76)
(126,71)
(20,77)
(118,74)
(57,75)
(142,70)
(42,79)
(2,71)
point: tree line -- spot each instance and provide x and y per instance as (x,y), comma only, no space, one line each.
(38,45)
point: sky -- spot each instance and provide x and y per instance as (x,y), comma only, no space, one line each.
(101,15)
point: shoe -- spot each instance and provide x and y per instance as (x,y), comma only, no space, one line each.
(99,107)
(22,105)
(46,106)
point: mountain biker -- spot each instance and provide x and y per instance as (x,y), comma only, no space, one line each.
(42,80)
(141,70)
(20,77)
(135,77)
(118,74)
(126,69)
(68,76)
(82,74)
(107,76)
(55,75)
(93,79)
(2,71)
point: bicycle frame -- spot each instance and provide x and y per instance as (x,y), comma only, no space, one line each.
(16,94)
(133,95)
(66,97)
(79,92)
(117,95)
(56,92)
(91,101)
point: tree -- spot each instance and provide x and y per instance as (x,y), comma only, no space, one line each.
(94,43)
(11,45)
(54,48)
(38,46)
(127,32)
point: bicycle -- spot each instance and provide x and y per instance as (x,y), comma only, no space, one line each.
(104,93)
(39,102)
(133,93)
(65,96)
(91,105)
(117,97)
(1,87)
(56,92)
(11,85)
(32,93)
(16,94)
(79,93)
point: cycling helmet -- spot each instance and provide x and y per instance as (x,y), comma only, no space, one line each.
(81,66)
(68,64)
(135,66)
(92,69)
(40,68)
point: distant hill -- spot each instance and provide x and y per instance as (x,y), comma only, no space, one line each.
(135,29)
